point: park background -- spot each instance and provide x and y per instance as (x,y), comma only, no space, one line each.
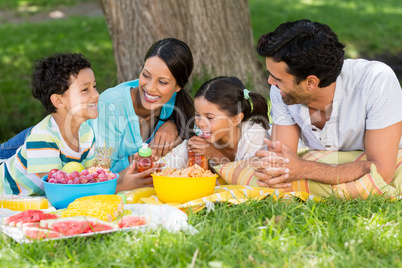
(269,233)
(30,30)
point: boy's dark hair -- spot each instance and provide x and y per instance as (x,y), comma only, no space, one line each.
(179,59)
(228,94)
(308,48)
(52,75)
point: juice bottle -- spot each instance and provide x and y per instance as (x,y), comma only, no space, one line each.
(199,159)
(145,161)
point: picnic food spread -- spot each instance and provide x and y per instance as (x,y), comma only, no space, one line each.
(104,207)
(36,224)
(197,159)
(191,171)
(88,214)
(15,202)
(183,185)
(133,196)
(91,175)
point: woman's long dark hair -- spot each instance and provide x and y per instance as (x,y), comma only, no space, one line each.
(179,59)
(228,94)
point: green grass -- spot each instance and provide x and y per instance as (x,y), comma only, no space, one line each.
(258,234)
(368,28)
(26,43)
(24,8)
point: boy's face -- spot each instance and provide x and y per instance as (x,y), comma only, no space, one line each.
(81,99)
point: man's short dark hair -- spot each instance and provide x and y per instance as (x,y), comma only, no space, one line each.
(308,48)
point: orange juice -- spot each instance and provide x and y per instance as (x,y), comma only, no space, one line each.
(198,159)
(15,202)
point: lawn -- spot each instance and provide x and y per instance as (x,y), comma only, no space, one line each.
(287,233)
(268,233)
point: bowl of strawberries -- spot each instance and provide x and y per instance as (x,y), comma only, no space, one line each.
(62,188)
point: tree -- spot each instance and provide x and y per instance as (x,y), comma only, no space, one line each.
(218,32)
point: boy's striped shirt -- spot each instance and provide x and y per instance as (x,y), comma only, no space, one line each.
(43,150)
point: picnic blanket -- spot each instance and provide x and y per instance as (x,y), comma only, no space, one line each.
(233,194)
(241,173)
(241,184)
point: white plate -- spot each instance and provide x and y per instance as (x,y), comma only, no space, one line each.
(17,234)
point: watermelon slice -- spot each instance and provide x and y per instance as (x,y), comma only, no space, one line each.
(12,220)
(132,220)
(31,224)
(77,225)
(28,216)
(37,219)
(39,233)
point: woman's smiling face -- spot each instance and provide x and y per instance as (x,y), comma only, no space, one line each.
(156,84)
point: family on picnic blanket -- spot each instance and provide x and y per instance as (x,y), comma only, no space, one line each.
(337,123)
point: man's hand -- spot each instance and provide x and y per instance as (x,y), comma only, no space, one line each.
(272,165)
(166,138)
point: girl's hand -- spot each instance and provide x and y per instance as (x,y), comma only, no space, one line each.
(201,146)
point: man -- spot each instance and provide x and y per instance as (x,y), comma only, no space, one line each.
(330,103)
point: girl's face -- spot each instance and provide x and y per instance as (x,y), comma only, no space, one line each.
(80,101)
(156,84)
(216,125)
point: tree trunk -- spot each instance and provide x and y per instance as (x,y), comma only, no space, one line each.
(218,32)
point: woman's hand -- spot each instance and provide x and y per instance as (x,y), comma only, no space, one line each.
(130,179)
(166,138)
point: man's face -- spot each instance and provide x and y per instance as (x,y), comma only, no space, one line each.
(291,92)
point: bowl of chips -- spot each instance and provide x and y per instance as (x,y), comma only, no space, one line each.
(183,185)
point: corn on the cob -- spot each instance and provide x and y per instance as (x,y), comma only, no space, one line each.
(104,207)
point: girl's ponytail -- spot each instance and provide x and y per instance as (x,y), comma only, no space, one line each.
(258,109)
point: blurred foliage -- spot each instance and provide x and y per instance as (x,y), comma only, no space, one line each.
(369,28)
(22,44)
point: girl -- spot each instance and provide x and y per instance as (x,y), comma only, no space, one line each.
(232,123)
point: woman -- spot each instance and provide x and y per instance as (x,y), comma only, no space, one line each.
(131,113)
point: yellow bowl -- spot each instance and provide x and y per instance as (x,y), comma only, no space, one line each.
(183,189)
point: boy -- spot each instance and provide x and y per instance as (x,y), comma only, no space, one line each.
(65,84)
